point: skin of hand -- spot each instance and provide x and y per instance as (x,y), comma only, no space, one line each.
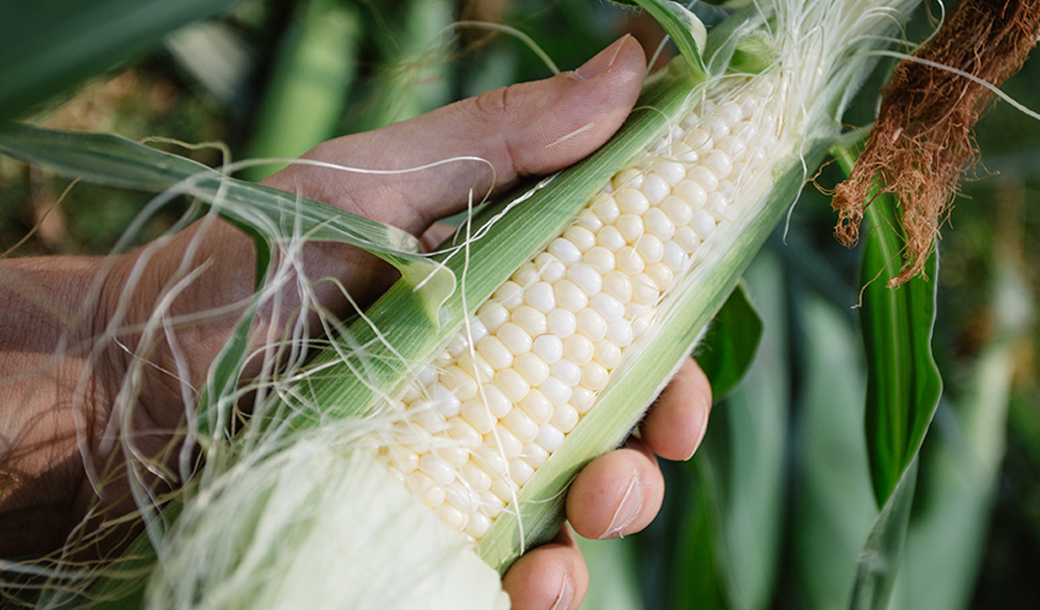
(60,423)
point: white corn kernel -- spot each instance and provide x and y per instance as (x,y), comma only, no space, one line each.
(497,402)
(550,267)
(656,188)
(463,433)
(556,390)
(692,193)
(478,416)
(533,369)
(535,455)
(550,437)
(632,201)
(594,376)
(703,176)
(475,476)
(521,425)
(493,315)
(591,324)
(568,372)
(548,347)
(582,398)
(479,524)
(606,208)
(514,338)
(629,261)
(521,471)
(562,323)
(630,226)
(569,296)
(703,223)
(537,406)
(659,224)
(437,469)
(587,278)
(513,384)
(564,250)
(581,237)
(620,332)
(578,349)
(565,418)
(490,504)
(650,249)
(540,296)
(510,294)
(608,307)
(608,354)
(452,517)
(505,442)
(617,285)
(610,238)
(600,259)
(530,319)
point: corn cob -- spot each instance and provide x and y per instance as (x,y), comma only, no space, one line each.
(478,422)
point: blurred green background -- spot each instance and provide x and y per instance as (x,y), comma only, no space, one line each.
(775,509)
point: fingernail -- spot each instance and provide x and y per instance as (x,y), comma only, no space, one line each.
(705,412)
(602,61)
(565,596)
(626,511)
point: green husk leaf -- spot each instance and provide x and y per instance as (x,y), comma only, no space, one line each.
(269,215)
(729,346)
(685,29)
(48,47)
(904,384)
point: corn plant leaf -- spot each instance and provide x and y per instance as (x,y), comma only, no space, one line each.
(729,346)
(612,566)
(960,467)
(904,385)
(717,542)
(313,72)
(269,215)
(48,47)
(880,557)
(684,28)
(833,508)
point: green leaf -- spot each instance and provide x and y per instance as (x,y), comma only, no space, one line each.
(725,507)
(903,382)
(269,214)
(961,467)
(313,73)
(729,346)
(879,560)
(684,28)
(833,509)
(47,47)
(612,567)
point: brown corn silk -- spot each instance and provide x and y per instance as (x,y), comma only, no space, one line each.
(923,141)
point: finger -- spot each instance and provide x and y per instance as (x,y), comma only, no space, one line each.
(675,424)
(616,494)
(525,129)
(550,577)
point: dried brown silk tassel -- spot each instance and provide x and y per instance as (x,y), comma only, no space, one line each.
(922,140)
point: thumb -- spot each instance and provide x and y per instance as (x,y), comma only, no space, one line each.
(522,130)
